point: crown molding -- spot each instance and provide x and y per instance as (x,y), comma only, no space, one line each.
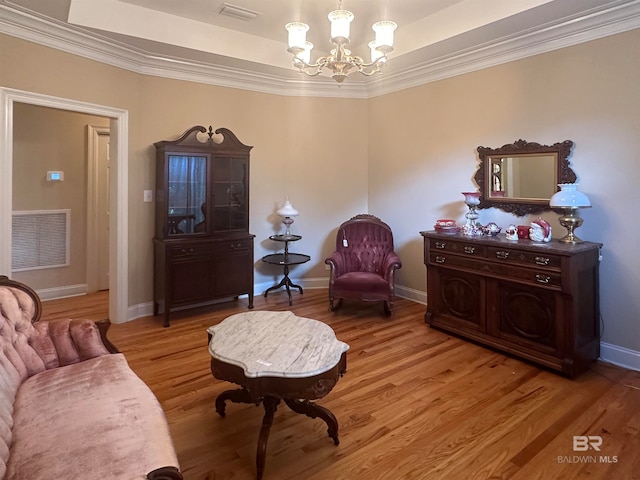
(623,17)
(614,18)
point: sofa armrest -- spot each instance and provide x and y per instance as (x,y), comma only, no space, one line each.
(165,473)
(103,327)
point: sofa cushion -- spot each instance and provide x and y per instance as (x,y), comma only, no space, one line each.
(88,420)
(65,341)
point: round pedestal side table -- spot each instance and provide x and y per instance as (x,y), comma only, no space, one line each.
(285,259)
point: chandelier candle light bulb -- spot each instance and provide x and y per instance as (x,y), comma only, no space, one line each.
(340,61)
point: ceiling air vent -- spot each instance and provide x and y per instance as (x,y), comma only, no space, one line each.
(237,12)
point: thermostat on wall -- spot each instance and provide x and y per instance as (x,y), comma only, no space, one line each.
(55,176)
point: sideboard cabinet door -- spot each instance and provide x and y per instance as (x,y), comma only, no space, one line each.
(457,298)
(527,317)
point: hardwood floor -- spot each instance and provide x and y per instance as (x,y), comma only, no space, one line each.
(415,403)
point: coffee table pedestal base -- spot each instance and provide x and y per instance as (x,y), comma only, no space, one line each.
(270,404)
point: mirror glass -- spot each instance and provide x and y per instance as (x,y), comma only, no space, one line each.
(524,176)
(521,177)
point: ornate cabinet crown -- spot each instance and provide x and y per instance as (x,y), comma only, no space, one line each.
(203,250)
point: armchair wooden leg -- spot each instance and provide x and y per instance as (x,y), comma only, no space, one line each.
(388,308)
(335,306)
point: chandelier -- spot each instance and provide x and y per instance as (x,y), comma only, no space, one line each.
(340,61)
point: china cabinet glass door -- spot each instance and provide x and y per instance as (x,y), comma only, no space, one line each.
(187,194)
(229,194)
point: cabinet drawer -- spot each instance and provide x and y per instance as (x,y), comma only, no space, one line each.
(190,250)
(233,246)
(536,259)
(472,250)
(535,276)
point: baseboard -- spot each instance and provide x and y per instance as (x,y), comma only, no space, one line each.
(411,294)
(620,356)
(62,292)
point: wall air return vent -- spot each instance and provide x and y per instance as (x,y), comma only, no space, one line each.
(40,239)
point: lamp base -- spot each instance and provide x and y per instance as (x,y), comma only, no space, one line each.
(471,228)
(570,220)
(287,223)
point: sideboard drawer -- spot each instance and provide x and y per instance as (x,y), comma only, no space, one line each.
(537,259)
(535,276)
(463,248)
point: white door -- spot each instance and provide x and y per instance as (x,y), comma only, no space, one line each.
(98,201)
(103,212)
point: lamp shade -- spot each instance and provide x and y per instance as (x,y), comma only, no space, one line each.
(340,23)
(384,33)
(297,34)
(305,55)
(376,53)
(569,197)
(287,210)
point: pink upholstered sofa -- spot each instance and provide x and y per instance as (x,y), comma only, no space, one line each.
(70,408)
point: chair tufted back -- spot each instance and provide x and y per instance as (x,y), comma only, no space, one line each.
(364,242)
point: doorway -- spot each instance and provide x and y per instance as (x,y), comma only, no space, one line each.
(118,186)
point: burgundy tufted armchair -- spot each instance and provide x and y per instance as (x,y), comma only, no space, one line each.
(364,262)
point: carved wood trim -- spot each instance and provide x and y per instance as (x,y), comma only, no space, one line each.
(190,139)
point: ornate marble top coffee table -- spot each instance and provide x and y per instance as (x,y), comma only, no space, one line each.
(277,356)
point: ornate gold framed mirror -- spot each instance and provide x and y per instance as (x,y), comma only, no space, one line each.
(521,177)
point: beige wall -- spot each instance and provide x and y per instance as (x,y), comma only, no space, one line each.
(298,151)
(49,139)
(587,93)
(405,156)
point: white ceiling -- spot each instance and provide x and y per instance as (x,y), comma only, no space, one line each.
(191,39)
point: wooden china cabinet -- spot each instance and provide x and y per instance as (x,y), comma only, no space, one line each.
(538,301)
(203,250)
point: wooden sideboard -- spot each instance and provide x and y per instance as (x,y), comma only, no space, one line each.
(537,301)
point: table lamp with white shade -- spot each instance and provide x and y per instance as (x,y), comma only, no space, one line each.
(288,212)
(568,201)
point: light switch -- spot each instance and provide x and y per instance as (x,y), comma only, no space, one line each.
(148,195)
